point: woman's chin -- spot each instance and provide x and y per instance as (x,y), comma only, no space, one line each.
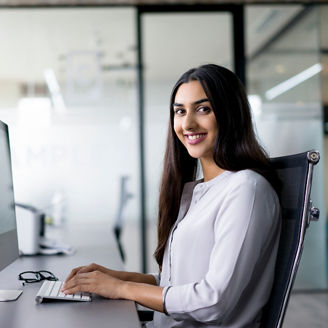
(194,154)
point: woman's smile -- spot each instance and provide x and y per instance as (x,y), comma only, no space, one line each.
(195,138)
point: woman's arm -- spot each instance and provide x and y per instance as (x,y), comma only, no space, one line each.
(144,294)
(107,285)
(122,275)
(135,277)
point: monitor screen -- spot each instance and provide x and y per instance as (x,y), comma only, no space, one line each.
(8,231)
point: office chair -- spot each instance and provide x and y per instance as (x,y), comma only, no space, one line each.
(295,173)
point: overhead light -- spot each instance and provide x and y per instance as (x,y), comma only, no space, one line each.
(293,81)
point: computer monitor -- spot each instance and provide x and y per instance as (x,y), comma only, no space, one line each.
(8,231)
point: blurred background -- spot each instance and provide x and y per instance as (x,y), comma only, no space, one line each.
(85,87)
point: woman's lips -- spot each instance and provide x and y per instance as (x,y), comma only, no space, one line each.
(195,138)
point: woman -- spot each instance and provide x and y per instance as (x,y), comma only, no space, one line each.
(217,237)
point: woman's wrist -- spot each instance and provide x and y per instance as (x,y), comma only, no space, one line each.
(133,277)
(122,275)
(125,290)
(144,294)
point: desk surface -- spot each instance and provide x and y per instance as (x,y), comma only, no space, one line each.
(93,244)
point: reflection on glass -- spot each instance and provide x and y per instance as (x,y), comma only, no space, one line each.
(284,72)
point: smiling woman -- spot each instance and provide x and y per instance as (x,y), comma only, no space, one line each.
(217,237)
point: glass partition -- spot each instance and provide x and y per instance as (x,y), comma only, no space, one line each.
(68,93)
(285,92)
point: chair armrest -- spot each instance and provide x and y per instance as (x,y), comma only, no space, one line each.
(145,315)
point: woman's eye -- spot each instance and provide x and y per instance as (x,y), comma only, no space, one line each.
(178,111)
(204,109)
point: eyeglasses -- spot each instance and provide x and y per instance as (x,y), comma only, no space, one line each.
(35,276)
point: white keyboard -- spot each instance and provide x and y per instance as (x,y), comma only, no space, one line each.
(51,290)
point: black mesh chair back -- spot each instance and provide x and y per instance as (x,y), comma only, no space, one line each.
(295,173)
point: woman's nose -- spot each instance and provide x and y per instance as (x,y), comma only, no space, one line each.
(189,122)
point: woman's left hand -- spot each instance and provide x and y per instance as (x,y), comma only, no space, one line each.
(94,282)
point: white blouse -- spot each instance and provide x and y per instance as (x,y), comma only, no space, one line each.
(218,264)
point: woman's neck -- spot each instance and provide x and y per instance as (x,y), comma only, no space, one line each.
(210,169)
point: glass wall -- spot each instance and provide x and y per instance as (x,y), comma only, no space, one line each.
(173,43)
(284,83)
(68,93)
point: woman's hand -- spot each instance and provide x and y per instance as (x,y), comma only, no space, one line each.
(96,282)
(118,275)
(113,284)
(87,268)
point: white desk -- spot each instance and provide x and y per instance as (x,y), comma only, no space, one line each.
(94,243)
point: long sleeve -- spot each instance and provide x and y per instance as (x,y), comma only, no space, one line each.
(237,245)
(156,277)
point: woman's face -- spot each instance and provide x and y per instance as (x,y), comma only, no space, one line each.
(194,120)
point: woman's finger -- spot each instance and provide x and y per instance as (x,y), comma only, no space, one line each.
(81,269)
(73,273)
(78,288)
(93,282)
(77,279)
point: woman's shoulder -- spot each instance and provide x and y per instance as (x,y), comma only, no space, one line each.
(232,177)
(247,175)
(250,182)
(250,178)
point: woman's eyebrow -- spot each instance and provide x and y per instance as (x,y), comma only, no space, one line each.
(200,101)
(197,102)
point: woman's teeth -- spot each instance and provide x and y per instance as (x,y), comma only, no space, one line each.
(195,136)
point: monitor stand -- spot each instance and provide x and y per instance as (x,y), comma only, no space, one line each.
(9,295)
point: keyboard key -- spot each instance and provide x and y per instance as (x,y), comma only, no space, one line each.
(50,287)
(44,287)
(56,288)
(77,296)
(86,298)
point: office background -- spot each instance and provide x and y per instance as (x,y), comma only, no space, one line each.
(70,92)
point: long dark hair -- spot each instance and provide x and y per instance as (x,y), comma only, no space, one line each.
(236,147)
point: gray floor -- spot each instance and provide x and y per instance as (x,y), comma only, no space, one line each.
(305,310)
